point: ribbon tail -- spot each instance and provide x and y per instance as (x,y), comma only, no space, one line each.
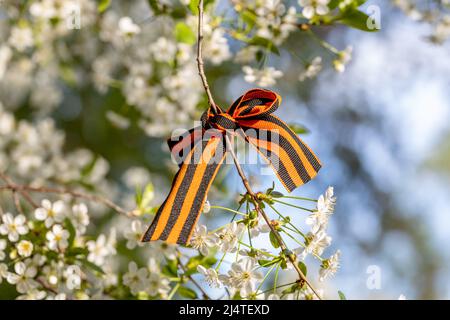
(177,216)
(291,159)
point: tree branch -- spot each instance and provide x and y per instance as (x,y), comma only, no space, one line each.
(201,70)
(11,183)
(24,189)
(291,256)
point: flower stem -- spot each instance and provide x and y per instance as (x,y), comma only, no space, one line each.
(290,223)
(174,290)
(220,262)
(228,209)
(280,286)
(275,280)
(265,277)
(220,228)
(260,251)
(323,43)
(300,198)
(293,205)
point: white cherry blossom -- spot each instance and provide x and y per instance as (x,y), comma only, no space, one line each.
(57,238)
(265,77)
(243,276)
(23,277)
(80,217)
(314,7)
(228,237)
(330,266)
(211,276)
(315,244)
(24,248)
(135,278)
(50,213)
(202,240)
(13,227)
(3,245)
(134,234)
(21,38)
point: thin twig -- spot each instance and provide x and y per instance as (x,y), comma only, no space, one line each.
(49,288)
(24,189)
(292,258)
(45,286)
(201,70)
(76,194)
(17,202)
(11,183)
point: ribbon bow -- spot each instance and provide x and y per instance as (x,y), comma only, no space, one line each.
(202,151)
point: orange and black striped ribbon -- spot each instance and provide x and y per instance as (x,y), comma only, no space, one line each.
(201,152)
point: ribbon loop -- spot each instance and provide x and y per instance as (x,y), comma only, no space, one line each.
(203,149)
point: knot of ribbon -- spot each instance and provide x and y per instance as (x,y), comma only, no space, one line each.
(201,152)
(221,121)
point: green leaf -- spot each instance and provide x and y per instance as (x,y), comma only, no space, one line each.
(138,197)
(187,293)
(263,262)
(171,268)
(143,198)
(273,240)
(92,266)
(268,263)
(291,289)
(287,219)
(259,56)
(356,19)
(156,6)
(184,34)
(147,196)
(194,262)
(103,5)
(277,194)
(51,255)
(303,267)
(249,18)
(77,251)
(333,4)
(341,295)
(193,5)
(298,128)
(270,190)
(72,231)
(265,43)
(209,261)
(237,296)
